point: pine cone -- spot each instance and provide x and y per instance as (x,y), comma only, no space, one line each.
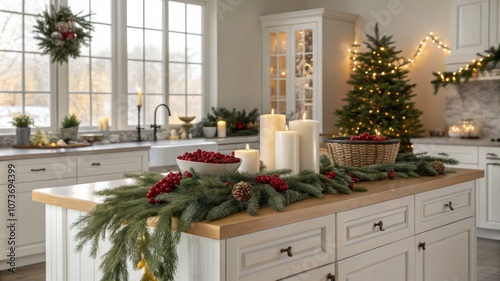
(242,191)
(438,166)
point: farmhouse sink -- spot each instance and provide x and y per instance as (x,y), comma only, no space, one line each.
(163,153)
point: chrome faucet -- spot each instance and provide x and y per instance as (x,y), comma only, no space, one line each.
(154,126)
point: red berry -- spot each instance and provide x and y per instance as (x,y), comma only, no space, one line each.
(227,183)
(391,174)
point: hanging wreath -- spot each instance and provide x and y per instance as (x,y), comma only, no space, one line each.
(61,33)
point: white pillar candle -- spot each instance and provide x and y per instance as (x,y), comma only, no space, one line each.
(105,123)
(308,131)
(287,150)
(221,129)
(269,124)
(249,160)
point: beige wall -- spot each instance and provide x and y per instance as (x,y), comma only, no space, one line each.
(239,45)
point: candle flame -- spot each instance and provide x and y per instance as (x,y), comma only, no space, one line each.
(304,116)
(248,147)
(272,111)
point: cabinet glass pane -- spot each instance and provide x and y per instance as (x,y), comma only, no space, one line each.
(282,89)
(282,107)
(308,41)
(273,67)
(308,66)
(282,66)
(273,89)
(299,66)
(282,43)
(299,41)
(273,43)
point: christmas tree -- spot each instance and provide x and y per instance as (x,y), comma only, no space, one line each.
(380,99)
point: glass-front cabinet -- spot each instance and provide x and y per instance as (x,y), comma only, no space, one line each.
(294,63)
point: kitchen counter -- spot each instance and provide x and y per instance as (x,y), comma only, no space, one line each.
(457,141)
(81,198)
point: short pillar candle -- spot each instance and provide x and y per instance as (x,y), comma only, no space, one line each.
(249,160)
(221,129)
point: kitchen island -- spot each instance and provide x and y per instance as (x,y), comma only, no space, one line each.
(403,229)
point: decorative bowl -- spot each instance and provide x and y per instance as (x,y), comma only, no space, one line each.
(92,137)
(436,133)
(207,169)
(186,119)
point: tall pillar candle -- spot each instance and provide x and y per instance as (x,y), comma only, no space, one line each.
(287,150)
(269,124)
(221,129)
(249,160)
(308,131)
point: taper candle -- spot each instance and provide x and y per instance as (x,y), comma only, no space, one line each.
(308,131)
(139,97)
(269,124)
(249,160)
(287,150)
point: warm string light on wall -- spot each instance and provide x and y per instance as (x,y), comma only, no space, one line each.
(398,64)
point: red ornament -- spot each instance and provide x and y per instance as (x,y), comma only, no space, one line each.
(391,174)
(330,175)
(240,125)
(65,35)
(227,183)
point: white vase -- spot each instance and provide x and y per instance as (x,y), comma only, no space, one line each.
(209,132)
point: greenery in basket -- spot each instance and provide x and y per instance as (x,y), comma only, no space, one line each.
(70,121)
(238,123)
(124,213)
(22,121)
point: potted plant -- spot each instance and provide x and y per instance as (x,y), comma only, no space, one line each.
(22,123)
(69,128)
(209,127)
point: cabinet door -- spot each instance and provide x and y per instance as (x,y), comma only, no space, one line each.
(470,28)
(393,262)
(489,189)
(323,273)
(466,155)
(449,252)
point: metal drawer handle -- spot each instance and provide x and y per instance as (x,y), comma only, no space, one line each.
(449,206)
(380,225)
(288,251)
(96,164)
(443,154)
(421,245)
(330,277)
(38,170)
(492,154)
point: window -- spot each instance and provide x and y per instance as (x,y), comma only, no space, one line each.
(24,71)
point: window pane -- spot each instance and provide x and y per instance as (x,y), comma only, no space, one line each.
(14,6)
(33,6)
(153,14)
(135,78)
(38,107)
(79,6)
(12,105)
(30,43)
(150,103)
(78,75)
(37,72)
(10,71)
(176,16)
(101,41)
(154,46)
(11,27)
(79,104)
(177,47)
(177,106)
(194,48)
(101,106)
(194,79)
(194,107)
(154,77)
(101,10)
(101,75)
(134,13)
(177,78)
(134,43)
(193,19)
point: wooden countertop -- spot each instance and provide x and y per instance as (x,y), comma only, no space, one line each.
(81,198)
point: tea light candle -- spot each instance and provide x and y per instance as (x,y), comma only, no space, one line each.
(454,131)
(221,129)
(287,150)
(308,131)
(249,160)
(269,124)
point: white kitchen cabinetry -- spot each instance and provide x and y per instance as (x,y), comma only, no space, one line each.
(304,63)
(489,189)
(29,219)
(474,29)
(467,156)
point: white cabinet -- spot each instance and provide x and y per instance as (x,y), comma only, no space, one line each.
(467,156)
(322,273)
(304,63)
(474,28)
(489,190)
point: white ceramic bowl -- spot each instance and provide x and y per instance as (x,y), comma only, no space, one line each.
(208,169)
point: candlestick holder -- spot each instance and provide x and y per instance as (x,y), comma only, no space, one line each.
(139,123)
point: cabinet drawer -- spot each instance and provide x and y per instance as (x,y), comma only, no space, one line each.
(265,254)
(112,163)
(30,170)
(323,273)
(365,228)
(432,208)
(463,153)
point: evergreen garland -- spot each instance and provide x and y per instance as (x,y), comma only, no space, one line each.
(238,123)
(61,33)
(485,62)
(125,210)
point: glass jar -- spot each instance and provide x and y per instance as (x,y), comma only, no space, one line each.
(469,129)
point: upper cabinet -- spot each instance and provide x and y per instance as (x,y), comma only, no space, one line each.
(305,63)
(474,28)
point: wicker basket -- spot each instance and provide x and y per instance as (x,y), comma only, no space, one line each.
(357,153)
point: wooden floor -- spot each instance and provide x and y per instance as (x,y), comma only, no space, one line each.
(488,265)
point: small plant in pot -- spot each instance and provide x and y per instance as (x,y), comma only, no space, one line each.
(209,128)
(69,128)
(22,123)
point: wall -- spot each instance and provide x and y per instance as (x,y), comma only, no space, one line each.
(239,45)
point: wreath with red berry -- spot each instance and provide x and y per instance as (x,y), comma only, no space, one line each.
(62,34)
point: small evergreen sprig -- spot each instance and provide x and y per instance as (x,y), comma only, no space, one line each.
(70,121)
(22,121)
(248,122)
